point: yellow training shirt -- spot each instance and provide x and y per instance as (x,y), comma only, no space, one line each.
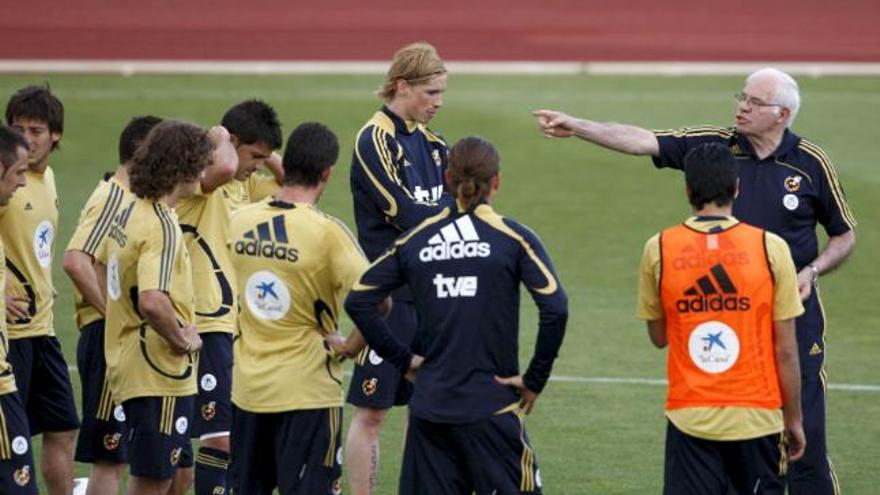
(28,225)
(724,423)
(145,251)
(94,223)
(204,220)
(294,266)
(7,379)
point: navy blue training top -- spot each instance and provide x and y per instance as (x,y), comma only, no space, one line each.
(464,269)
(787,193)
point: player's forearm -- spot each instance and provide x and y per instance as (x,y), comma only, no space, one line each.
(160,315)
(412,213)
(837,250)
(788,368)
(618,137)
(80,268)
(362,308)
(553,316)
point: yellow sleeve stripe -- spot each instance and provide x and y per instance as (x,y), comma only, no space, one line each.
(5,447)
(358,286)
(831,174)
(387,160)
(391,211)
(111,205)
(697,131)
(497,222)
(169,245)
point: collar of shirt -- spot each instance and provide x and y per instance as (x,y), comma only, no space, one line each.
(710,224)
(400,125)
(789,142)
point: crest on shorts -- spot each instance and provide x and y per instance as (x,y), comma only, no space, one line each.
(111,441)
(209,410)
(175,456)
(22,475)
(336,486)
(793,183)
(370,385)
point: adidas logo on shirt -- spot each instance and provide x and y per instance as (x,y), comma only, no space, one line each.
(455,241)
(705,295)
(267,241)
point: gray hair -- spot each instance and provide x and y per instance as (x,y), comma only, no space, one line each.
(786,91)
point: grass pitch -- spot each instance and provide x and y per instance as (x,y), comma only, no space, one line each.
(593,208)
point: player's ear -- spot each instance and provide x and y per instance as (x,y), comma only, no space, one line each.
(325,176)
(401,87)
(784,114)
(233,139)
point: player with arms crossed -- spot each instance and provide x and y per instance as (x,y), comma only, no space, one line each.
(723,296)
(396,182)
(101,437)
(16,455)
(294,266)
(28,225)
(150,339)
(464,267)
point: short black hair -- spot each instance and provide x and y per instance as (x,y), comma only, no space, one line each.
(710,172)
(10,141)
(133,135)
(253,121)
(37,103)
(311,149)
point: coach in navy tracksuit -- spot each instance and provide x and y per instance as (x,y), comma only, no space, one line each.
(464,266)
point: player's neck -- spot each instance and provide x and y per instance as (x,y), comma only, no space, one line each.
(38,168)
(121,175)
(299,194)
(397,108)
(765,144)
(713,210)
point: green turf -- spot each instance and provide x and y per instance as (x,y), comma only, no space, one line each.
(594,209)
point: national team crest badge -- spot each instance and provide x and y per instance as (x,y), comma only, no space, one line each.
(793,183)
(175,456)
(370,385)
(209,410)
(111,441)
(22,475)
(436,155)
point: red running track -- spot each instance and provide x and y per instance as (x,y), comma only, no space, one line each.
(578,30)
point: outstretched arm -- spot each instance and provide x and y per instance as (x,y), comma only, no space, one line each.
(625,138)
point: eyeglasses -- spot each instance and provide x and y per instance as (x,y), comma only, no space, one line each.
(753,102)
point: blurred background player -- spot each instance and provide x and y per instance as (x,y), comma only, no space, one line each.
(464,267)
(28,226)
(17,475)
(729,324)
(101,440)
(396,182)
(294,266)
(227,184)
(788,186)
(150,337)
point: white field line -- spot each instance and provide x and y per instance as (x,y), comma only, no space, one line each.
(847,387)
(671,68)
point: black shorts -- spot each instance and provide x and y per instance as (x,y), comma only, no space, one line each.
(17,474)
(213,414)
(813,474)
(492,456)
(158,435)
(695,466)
(299,452)
(43,383)
(102,433)
(376,383)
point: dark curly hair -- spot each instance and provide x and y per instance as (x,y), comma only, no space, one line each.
(173,152)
